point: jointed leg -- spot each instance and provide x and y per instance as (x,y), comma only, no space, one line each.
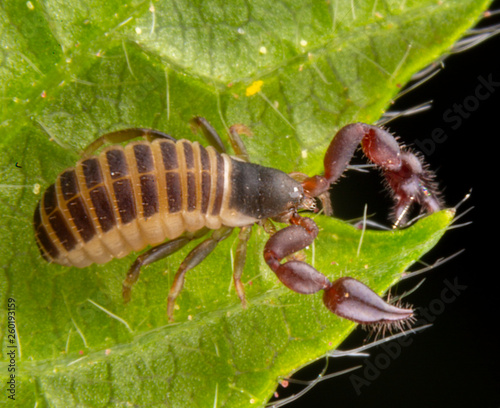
(154,254)
(239,262)
(214,139)
(236,142)
(209,132)
(198,254)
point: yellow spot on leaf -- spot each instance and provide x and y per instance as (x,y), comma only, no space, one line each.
(254,88)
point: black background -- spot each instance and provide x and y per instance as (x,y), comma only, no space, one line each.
(455,363)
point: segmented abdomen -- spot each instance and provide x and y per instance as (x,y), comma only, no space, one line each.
(129,197)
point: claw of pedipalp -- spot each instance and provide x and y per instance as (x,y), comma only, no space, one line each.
(353,300)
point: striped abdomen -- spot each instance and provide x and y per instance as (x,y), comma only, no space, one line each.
(129,197)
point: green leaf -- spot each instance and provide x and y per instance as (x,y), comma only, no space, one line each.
(70,71)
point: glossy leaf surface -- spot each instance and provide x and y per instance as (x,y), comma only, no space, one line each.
(294,72)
